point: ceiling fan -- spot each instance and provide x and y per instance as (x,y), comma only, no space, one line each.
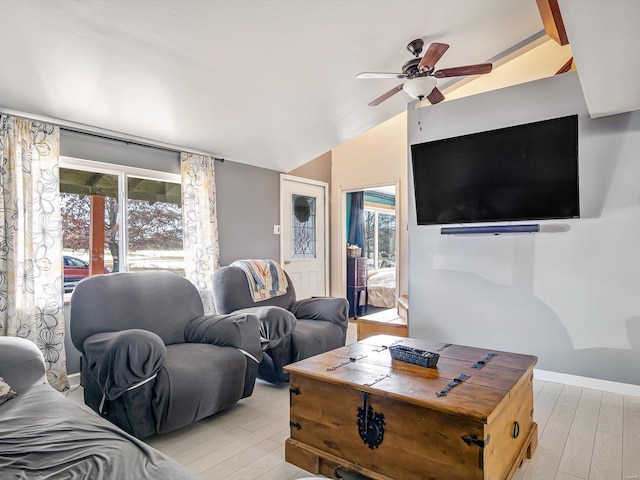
(422,74)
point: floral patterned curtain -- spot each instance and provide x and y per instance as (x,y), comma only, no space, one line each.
(31,304)
(200,224)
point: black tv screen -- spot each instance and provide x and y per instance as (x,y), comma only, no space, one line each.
(525,172)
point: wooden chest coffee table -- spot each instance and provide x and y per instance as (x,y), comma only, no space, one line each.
(356,408)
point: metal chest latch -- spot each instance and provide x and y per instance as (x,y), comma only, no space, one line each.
(370,424)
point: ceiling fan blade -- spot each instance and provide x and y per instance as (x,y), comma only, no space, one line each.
(434,53)
(466,70)
(382,98)
(435,96)
(380,75)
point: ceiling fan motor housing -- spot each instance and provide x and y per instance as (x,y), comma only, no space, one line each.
(415,47)
(410,68)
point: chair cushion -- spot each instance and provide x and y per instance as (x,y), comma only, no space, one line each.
(197,380)
(312,337)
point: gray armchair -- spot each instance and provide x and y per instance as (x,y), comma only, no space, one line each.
(291,329)
(43,434)
(152,362)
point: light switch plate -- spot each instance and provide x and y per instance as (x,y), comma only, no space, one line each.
(276,229)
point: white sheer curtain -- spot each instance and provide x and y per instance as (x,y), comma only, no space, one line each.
(200,224)
(31,304)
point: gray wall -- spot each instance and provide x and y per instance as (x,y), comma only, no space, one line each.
(570,298)
(248,201)
(92,147)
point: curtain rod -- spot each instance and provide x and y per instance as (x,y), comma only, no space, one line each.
(106,134)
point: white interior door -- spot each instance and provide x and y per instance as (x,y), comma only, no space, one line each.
(303,235)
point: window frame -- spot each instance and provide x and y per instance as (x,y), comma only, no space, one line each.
(123,172)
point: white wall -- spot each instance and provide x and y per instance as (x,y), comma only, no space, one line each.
(571,298)
(376,157)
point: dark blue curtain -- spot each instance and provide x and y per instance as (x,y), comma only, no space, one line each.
(356,225)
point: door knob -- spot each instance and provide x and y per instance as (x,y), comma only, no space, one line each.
(287,262)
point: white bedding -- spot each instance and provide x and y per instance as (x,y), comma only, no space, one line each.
(381,288)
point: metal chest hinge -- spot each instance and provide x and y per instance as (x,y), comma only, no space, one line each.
(474,440)
(295,425)
(384,347)
(454,383)
(377,379)
(294,391)
(481,363)
(345,362)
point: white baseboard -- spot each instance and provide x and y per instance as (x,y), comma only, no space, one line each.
(74,379)
(587,382)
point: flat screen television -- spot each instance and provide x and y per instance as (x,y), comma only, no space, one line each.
(525,172)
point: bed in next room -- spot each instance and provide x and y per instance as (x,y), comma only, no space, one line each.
(381,288)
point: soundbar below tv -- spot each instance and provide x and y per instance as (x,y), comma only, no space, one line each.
(525,172)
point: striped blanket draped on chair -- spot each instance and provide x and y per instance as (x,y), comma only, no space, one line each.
(266,278)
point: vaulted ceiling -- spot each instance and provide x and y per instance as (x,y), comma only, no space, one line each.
(272,82)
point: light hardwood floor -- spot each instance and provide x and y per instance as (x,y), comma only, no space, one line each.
(583,435)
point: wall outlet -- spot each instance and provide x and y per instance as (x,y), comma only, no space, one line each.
(276,229)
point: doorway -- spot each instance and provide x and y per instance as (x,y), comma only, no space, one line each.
(372,250)
(303,239)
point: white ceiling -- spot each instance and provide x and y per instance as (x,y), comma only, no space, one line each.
(263,82)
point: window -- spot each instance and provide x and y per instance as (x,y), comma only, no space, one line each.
(119,206)
(154,225)
(380,238)
(303,227)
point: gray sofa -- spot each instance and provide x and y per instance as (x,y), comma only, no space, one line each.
(44,435)
(152,362)
(291,329)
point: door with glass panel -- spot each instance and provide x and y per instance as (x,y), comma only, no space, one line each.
(303,235)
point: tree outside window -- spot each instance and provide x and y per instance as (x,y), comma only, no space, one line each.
(152,222)
(380,239)
(386,240)
(154,226)
(370,238)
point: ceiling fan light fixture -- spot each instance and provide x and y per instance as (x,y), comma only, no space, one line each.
(420,87)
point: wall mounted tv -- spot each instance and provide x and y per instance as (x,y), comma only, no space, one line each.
(525,172)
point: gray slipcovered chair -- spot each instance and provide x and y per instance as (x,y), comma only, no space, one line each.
(291,329)
(152,362)
(44,435)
